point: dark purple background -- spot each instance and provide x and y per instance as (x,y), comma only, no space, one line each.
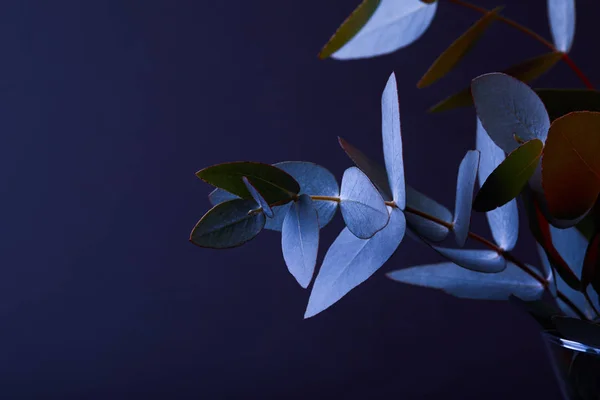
(107,110)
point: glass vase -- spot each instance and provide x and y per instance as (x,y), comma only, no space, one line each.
(576,365)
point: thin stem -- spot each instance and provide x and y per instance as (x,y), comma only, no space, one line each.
(529,32)
(504,253)
(326,198)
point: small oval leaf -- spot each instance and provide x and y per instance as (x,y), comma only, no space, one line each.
(561,14)
(463,283)
(571,166)
(273,183)
(508,108)
(300,239)
(393,25)
(258,197)
(458,49)
(363,208)
(467,171)
(228,224)
(350,27)
(508,179)
(392,142)
(525,71)
(503,221)
(351,261)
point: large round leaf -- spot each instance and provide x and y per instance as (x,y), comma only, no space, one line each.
(571,164)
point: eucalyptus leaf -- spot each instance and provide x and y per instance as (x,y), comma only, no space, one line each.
(393,25)
(508,179)
(487,261)
(363,208)
(273,183)
(504,220)
(228,224)
(392,142)
(350,261)
(577,330)
(467,171)
(509,109)
(258,197)
(300,239)
(525,71)
(547,270)
(561,14)
(430,230)
(560,102)
(219,196)
(463,283)
(541,311)
(458,49)
(591,264)
(350,27)
(571,245)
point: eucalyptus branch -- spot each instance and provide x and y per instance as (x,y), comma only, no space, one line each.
(565,57)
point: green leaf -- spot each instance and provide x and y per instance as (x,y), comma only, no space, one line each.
(508,179)
(571,165)
(228,224)
(458,49)
(525,71)
(560,102)
(274,184)
(350,27)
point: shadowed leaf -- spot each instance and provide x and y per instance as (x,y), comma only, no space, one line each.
(503,221)
(508,179)
(560,102)
(561,14)
(509,108)
(300,239)
(392,142)
(273,183)
(350,261)
(578,330)
(591,264)
(458,49)
(363,208)
(467,171)
(525,71)
(228,224)
(571,166)
(541,311)
(258,198)
(474,260)
(547,270)
(350,27)
(393,25)
(463,283)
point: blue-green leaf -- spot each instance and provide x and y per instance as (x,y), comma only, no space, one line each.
(392,141)
(509,110)
(463,283)
(428,229)
(350,261)
(561,14)
(300,239)
(313,179)
(393,25)
(467,171)
(363,208)
(577,330)
(547,270)
(274,184)
(228,224)
(475,260)
(571,245)
(258,197)
(504,220)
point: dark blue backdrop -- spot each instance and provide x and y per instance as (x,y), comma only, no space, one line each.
(107,110)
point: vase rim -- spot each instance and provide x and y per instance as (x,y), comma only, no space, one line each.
(570,344)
